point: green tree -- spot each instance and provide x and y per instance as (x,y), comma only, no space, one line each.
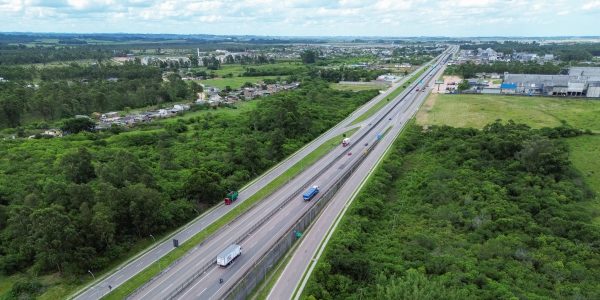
(203,186)
(76,125)
(309,56)
(54,237)
(77,166)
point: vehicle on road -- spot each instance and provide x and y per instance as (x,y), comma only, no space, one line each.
(231,196)
(228,255)
(349,153)
(345,142)
(311,193)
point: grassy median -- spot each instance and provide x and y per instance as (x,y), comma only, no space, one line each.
(138,280)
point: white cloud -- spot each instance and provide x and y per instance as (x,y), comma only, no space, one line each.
(590,5)
(304,17)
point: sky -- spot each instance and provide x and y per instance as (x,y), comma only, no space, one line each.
(397,18)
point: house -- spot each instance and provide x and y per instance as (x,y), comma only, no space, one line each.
(53,133)
(3,80)
(109,115)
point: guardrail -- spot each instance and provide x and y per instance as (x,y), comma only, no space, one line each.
(258,271)
(210,264)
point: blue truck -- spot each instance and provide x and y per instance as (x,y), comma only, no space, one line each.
(310,193)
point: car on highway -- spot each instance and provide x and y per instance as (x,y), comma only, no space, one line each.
(349,153)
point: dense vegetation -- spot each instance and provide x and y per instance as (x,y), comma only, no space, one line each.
(469,69)
(346,74)
(565,52)
(76,89)
(76,203)
(21,54)
(453,213)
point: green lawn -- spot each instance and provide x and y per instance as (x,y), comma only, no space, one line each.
(358,87)
(138,280)
(585,155)
(234,82)
(478,110)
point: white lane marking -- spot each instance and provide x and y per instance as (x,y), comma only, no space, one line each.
(199,281)
(201,292)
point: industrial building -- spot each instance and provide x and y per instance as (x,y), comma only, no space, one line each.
(581,82)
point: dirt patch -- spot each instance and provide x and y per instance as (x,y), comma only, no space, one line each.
(423,113)
(449,82)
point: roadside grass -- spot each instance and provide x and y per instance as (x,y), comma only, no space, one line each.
(375,108)
(234,82)
(144,276)
(479,110)
(6,283)
(358,87)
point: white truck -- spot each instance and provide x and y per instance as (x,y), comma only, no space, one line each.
(229,254)
(345,142)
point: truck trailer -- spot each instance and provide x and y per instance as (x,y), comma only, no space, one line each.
(231,196)
(345,142)
(311,193)
(228,255)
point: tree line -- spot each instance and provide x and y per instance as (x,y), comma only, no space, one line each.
(457,213)
(469,69)
(21,54)
(78,203)
(565,52)
(72,90)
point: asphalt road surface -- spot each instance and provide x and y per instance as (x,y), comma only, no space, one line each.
(309,248)
(145,259)
(208,286)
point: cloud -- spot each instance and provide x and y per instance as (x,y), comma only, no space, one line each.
(303,17)
(591,5)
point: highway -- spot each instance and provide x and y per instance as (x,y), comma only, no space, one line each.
(310,248)
(129,269)
(256,237)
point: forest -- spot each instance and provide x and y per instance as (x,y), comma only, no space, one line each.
(469,69)
(460,213)
(564,52)
(78,203)
(21,54)
(82,89)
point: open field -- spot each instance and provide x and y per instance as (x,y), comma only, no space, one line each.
(478,110)
(358,87)
(234,82)
(238,69)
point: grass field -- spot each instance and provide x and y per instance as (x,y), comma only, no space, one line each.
(358,87)
(238,69)
(234,82)
(478,110)
(138,280)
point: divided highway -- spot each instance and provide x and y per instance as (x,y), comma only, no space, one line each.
(305,256)
(280,210)
(145,259)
